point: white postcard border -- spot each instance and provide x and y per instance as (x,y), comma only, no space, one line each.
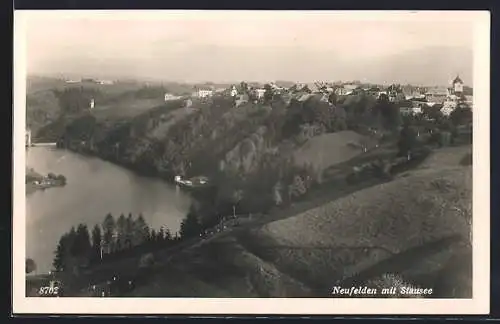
(479,304)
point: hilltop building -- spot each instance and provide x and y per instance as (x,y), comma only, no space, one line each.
(457,86)
(204,93)
(170,97)
(259,93)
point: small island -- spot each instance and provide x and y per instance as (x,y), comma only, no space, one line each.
(35,181)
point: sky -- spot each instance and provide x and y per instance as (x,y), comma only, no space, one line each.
(253,46)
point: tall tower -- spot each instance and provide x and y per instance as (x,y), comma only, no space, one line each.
(458,86)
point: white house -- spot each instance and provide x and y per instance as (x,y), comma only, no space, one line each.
(346,89)
(203,93)
(234,91)
(341,91)
(104,82)
(169,97)
(260,93)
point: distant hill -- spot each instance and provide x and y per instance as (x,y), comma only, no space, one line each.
(427,66)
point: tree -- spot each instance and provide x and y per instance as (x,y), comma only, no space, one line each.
(30,266)
(407,140)
(129,230)
(433,112)
(108,227)
(316,112)
(244,87)
(297,188)
(141,230)
(268,94)
(391,117)
(461,115)
(332,98)
(82,241)
(61,178)
(168,235)
(61,254)
(190,226)
(152,235)
(96,240)
(121,228)
(161,234)
(71,240)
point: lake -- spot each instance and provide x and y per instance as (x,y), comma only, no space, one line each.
(94,188)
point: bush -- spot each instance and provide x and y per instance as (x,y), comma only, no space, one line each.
(30,266)
(61,178)
(146,260)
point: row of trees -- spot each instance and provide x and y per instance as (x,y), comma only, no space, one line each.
(80,246)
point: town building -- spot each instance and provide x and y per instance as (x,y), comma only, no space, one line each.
(234,91)
(259,93)
(170,97)
(437,95)
(104,82)
(204,93)
(457,86)
(469,100)
(373,91)
(341,91)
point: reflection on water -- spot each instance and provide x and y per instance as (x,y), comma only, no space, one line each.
(94,188)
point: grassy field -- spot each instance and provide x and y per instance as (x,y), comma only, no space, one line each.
(115,101)
(327,150)
(125,109)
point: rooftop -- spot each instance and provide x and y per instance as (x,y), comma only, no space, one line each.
(457,80)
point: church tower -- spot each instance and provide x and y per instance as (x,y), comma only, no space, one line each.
(458,86)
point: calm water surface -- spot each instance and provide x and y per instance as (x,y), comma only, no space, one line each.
(94,188)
